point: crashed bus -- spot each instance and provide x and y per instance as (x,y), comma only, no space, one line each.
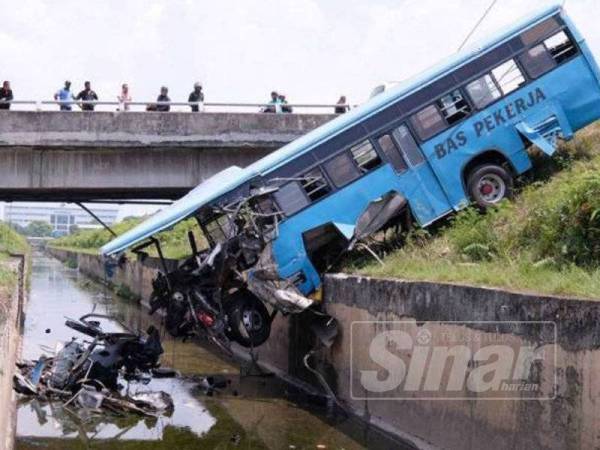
(454,135)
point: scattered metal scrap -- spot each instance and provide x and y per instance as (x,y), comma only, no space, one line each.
(87,374)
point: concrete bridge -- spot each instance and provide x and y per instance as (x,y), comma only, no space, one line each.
(83,156)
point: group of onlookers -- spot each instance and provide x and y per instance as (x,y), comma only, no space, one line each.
(65,97)
(278,103)
(87,97)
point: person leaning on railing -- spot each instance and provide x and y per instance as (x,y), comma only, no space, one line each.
(6,95)
(87,95)
(197,96)
(341,107)
(163,100)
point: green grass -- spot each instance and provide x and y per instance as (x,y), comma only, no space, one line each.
(174,242)
(10,242)
(546,240)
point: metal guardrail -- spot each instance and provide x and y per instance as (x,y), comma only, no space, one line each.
(202,106)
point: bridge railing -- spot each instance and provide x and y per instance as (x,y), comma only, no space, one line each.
(99,105)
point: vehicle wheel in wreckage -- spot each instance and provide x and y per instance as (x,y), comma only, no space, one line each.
(248,319)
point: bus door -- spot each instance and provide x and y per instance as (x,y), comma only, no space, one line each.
(419,184)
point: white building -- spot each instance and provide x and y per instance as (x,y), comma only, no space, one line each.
(62,216)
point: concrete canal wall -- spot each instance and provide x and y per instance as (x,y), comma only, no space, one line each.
(11,317)
(564,414)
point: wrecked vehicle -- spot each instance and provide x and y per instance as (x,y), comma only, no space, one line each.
(87,373)
(457,134)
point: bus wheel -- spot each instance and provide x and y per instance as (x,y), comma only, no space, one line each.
(489,184)
(248,319)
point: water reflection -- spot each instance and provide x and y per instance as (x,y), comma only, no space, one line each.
(250,413)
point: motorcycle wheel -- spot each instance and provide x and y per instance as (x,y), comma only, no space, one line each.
(248,318)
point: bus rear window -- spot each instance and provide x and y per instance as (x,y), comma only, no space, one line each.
(428,122)
(483,91)
(365,156)
(341,169)
(560,47)
(508,76)
(453,107)
(315,185)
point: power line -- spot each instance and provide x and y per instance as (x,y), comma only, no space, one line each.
(487,11)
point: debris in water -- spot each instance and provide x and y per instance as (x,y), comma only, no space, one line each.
(87,374)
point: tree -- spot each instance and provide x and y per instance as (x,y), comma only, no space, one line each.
(39,228)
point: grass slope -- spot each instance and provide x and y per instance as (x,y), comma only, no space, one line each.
(10,242)
(546,240)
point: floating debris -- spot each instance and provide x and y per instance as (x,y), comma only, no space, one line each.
(88,374)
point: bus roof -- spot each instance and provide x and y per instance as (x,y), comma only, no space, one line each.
(233,177)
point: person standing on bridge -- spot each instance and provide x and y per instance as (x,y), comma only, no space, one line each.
(6,95)
(341,107)
(285,108)
(64,96)
(163,100)
(124,98)
(274,105)
(87,95)
(197,96)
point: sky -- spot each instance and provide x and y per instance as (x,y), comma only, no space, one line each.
(311,50)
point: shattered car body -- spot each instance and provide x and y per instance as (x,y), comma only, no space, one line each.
(87,373)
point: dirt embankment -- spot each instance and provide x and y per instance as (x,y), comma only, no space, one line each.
(11,303)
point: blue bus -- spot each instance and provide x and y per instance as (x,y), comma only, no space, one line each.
(454,135)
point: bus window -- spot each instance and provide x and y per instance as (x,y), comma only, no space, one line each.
(508,76)
(428,122)
(341,169)
(315,185)
(483,91)
(537,61)
(365,156)
(454,107)
(291,198)
(560,47)
(407,144)
(393,155)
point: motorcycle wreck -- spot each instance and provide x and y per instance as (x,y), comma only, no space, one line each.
(89,374)
(231,290)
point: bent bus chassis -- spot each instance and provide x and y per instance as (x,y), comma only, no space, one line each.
(455,134)
(222,290)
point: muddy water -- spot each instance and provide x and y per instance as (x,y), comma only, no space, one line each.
(249,413)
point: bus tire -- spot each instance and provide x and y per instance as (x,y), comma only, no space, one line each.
(249,321)
(489,184)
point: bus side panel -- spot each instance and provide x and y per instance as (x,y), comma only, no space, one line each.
(570,90)
(344,207)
